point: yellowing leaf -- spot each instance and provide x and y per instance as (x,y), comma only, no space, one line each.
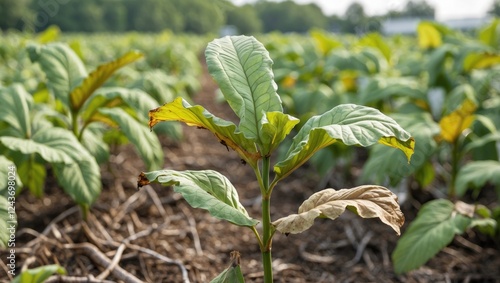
(49,35)
(480,61)
(324,42)
(456,122)
(98,77)
(366,201)
(225,131)
(275,127)
(428,35)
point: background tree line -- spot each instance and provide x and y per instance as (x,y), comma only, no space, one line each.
(194,16)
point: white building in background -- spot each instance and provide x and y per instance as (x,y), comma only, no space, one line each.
(409,25)
(400,26)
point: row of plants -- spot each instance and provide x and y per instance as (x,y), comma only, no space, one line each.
(443,87)
(64,107)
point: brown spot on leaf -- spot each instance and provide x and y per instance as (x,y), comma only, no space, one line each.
(142,180)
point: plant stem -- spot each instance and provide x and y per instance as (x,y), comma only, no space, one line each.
(267,232)
(455,159)
(74,124)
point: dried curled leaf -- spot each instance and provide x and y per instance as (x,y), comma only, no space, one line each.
(366,201)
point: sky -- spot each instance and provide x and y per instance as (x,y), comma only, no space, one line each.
(445,9)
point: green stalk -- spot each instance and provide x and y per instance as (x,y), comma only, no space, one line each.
(74,124)
(267,233)
(455,159)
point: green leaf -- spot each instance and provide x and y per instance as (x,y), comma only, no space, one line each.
(366,201)
(7,219)
(137,99)
(33,175)
(233,273)
(275,127)
(436,225)
(378,89)
(62,67)
(206,189)
(45,143)
(98,77)
(376,41)
(476,174)
(225,131)
(349,124)
(80,180)
(489,34)
(15,109)
(242,68)
(92,140)
(146,143)
(480,60)
(39,274)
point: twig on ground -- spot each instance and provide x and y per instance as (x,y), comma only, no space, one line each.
(156,200)
(183,269)
(74,279)
(60,217)
(99,258)
(313,257)
(193,230)
(132,202)
(468,244)
(28,262)
(360,249)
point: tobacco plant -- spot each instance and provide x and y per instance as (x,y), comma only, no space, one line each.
(241,66)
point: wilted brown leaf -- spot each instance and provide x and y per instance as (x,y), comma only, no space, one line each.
(366,201)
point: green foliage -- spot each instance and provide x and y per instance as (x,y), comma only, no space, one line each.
(86,101)
(245,19)
(242,68)
(288,16)
(15,14)
(39,274)
(434,228)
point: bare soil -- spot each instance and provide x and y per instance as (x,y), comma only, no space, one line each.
(152,235)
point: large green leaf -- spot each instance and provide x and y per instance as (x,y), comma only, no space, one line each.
(206,189)
(476,174)
(349,124)
(436,225)
(275,127)
(242,68)
(80,180)
(98,77)
(146,143)
(225,131)
(62,67)
(366,201)
(45,143)
(15,109)
(39,274)
(76,170)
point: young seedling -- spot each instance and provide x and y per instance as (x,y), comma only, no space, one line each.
(241,66)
